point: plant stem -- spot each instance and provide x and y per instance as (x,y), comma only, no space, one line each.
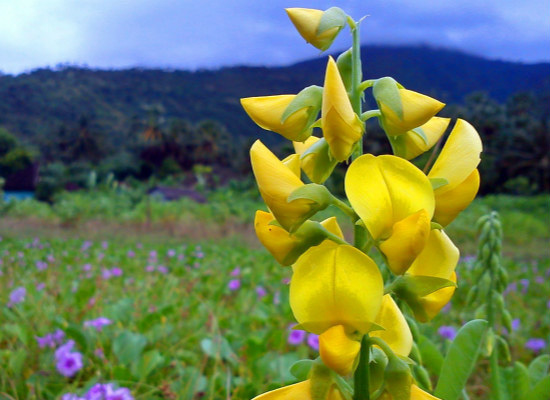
(356,77)
(361,376)
(495,379)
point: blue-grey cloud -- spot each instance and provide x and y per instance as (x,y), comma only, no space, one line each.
(212,33)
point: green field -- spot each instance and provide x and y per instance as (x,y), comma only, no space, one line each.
(165,275)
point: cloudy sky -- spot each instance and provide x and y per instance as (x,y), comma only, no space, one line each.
(193,34)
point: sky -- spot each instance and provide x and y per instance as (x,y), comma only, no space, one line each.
(199,34)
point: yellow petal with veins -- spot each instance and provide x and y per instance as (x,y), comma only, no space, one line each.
(396,333)
(266,111)
(336,285)
(337,350)
(407,240)
(341,126)
(386,189)
(459,157)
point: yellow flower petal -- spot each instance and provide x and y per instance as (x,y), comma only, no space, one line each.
(419,394)
(266,111)
(337,350)
(301,147)
(417,109)
(450,203)
(331,225)
(411,145)
(336,285)
(341,126)
(276,182)
(300,390)
(275,239)
(306,21)
(386,189)
(439,257)
(458,158)
(397,333)
(407,240)
(293,163)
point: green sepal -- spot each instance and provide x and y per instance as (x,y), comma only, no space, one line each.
(438,182)
(334,17)
(301,368)
(398,379)
(435,225)
(419,285)
(324,162)
(377,365)
(318,194)
(503,349)
(385,90)
(422,377)
(321,378)
(344,64)
(538,368)
(375,327)
(309,97)
(421,134)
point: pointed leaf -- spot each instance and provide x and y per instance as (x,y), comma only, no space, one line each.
(300,369)
(540,391)
(538,368)
(431,356)
(460,360)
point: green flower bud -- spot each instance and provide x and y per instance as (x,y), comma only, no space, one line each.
(507,320)
(377,365)
(503,275)
(503,349)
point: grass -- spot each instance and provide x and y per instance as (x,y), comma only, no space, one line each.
(192,336)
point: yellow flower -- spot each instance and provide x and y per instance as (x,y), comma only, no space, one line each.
(286,247)
(300,390)
(456,164)
(335,285)
(342,128)
(402,109)
(395,201)
(315,159)
(276,181)
(266,111)
(412,143)
(438,259)
(307,21)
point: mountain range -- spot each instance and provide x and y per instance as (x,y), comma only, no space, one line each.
(42,102)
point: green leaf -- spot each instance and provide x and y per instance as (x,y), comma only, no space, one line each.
(438,182)
(460,360)
(300,369)
(311,96)
(421,285)
(519,382)
(431,356)
(334,17)
(17,361)
(538,368)
(218,348)
(128,346)
(148,362)
(541,390)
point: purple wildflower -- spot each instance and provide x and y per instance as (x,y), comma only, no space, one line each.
(105,244)
(118,394)
(71,396)
(260,291)
(17,295)
(98,323)
(153,255)
(539,280)
(548,304)
(535,344)
(171,253)
(51,339)
(234,284)
(162,269)
(40,286)
(235,272)
(515,324)
(97,392)
(86,245)
(87,267)
(68,362)
(150,268)
(41,265)
(277,298)
(105,273)
(50,258)
(286,281)
(447,332)
(296,337)
(116,271)
(131,254)
(313,341)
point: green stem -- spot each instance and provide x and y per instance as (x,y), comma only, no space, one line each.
(366,84)
(356,77)
(345,208)
(361,376)
(370,114)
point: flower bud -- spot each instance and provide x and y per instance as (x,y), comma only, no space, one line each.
(267,112)
(402,110)
(319,28)
(342,128)
(316,160)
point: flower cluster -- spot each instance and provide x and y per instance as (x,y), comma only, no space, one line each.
(68,362)
(337,290)
(101,391)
